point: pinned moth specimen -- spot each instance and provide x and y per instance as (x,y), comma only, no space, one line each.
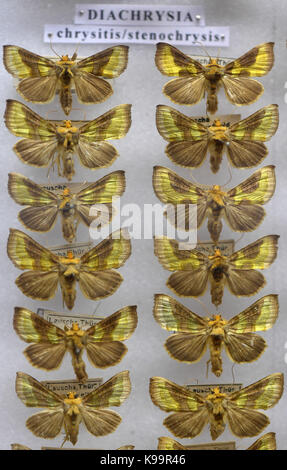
(74,207)
(193,334)
(196,80)
(102,341)
(266,442)
(70,411)
(243,141)
(237,271)
(94,270)
(47,143)
(192,411)
(240,206)
(40,77)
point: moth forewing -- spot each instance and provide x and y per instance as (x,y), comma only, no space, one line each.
(266,442)
(193,269)
(72,410)
(41,77)
(48,144)
(191,412)
(93,270)
(196,80)
(103,341)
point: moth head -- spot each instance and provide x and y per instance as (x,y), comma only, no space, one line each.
(70,255)
(215,394)
(68,123)
(216,254)
(217,123)
(73,400)
(75,326)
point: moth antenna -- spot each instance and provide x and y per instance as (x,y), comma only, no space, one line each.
(95,311)
(218,53)
(203,48)
(82,185)
(204,306)
(51,46)
(193,178)
(230,176)
(203,186)
(240,238)
(76,51)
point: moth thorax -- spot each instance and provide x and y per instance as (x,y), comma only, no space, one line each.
(214,70)
(75,330)
(217,194)
(217,323)
(218,133)
(67,128)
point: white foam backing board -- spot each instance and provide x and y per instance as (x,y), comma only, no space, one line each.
(251,23)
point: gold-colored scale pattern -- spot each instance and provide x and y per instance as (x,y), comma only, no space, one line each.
(47,143)
(192,270)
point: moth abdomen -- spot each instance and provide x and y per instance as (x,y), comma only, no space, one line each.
(217,286)
(215,346)
(68,165)
(216,151)
(214,227)
(66,96)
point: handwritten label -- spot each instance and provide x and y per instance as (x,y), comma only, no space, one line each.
(78,249)
(225,119)
(205,389)
(63,320)
(225,246)
(217,36)
(140,15)
(59,188)
(63,387)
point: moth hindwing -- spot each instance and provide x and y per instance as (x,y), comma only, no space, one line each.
(196,80)
(48,144)
(95,270)
(40,77)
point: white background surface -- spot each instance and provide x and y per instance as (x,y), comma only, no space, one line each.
(251,23)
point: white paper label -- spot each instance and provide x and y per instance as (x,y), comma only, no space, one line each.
(144,15)
(65,319)
(63,387)
(205,389)
(78,249)
(178,36)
